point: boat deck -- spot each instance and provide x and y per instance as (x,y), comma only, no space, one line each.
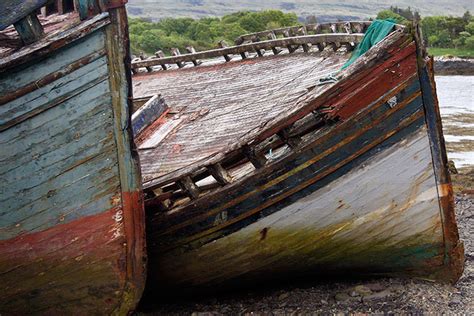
(212,107)
(52,24)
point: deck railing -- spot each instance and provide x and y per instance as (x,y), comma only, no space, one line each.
(320,36)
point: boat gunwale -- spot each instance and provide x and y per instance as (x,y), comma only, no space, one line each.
(54,41)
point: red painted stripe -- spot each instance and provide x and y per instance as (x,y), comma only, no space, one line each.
(372,88)
(77,266)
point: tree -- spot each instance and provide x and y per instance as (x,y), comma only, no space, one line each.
(469,43)
(467,17)
(390,15)
(470,27)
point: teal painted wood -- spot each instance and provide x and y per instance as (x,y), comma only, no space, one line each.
(11,81)
(14,10)
(61,163)
(147,114)
(87,8)
(29,28)
(54,93)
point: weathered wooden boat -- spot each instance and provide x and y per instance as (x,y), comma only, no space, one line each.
(71,212)
(261,166)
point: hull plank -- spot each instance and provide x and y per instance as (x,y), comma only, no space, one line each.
(333,227)
(71,210)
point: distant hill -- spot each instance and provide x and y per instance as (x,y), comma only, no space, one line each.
(323,9)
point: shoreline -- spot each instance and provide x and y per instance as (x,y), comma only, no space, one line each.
(453,66)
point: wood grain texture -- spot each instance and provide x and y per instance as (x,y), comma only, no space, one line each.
(333,228)
(71,209)
(55,40)
(222,103)
(314,195)
(13,10)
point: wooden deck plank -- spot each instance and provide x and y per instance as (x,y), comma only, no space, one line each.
(224,102)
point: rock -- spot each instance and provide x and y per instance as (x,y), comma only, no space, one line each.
(455,301)
(377,296)
(353,293)
(342,297)
(362,290)
(324,302)
(283,296)
(453,66)
(375,287)
(452,167)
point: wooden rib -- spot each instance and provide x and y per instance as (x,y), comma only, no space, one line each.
(29,28)
(220,174)
(175,52)
(160,54)
(258,160)
(189,187)
(285,136)
(192,50)
(308,28)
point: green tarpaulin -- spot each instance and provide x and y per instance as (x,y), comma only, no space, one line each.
(374,34)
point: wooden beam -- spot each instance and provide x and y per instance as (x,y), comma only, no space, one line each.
(192,50)
(220,174)
(160,54)
(258,160)
(189,187)
(11,11)
(29,28)
(223,44)
(291,141)
(87,8)
(176,52)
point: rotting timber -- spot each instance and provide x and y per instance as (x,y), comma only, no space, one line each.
(254,169)
(251,165)
(71,208)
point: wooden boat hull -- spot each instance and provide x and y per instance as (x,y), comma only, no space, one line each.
(71,210)
(370,196)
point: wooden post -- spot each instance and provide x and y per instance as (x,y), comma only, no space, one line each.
(49,9)
(176,52)
(258,160)
(275,50)
(191,50)
(160,54)
(348,27)
(223,44)
(148,68)
(284,135)
(189,187)
(29,28)
(220,174)
(335,45)
(87,8)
